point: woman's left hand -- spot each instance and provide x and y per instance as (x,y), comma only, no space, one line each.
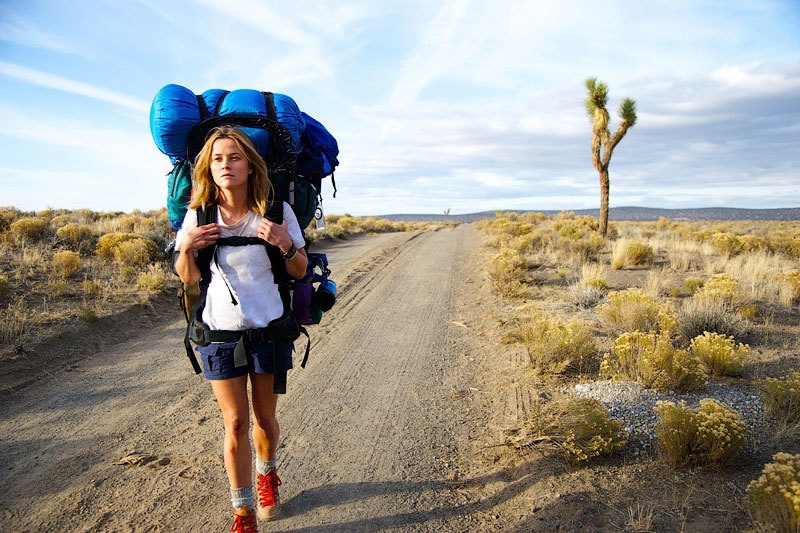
(275,234)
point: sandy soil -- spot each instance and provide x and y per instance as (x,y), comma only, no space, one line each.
(400,422)
(373,429)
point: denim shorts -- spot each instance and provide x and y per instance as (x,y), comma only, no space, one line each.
(218,359)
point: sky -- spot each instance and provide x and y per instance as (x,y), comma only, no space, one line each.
(447,105)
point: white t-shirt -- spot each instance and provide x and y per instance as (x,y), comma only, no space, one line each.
(243,273)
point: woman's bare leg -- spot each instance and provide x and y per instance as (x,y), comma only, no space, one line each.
(231,395)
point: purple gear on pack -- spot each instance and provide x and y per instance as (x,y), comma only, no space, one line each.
(301,302)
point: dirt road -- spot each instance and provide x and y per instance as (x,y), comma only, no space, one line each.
(374,429)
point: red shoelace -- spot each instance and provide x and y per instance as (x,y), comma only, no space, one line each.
(244,524)
(267,487)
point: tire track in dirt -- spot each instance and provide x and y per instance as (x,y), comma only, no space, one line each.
(368,425)
(355,421)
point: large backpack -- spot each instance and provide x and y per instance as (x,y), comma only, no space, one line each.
(299,151)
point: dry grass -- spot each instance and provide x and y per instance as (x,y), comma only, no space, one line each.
(671,305)
(60,265)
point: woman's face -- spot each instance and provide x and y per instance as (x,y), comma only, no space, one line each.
(229,167)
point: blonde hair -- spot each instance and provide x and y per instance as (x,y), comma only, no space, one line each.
(206,192)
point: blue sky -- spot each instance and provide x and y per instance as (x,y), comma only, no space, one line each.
(460,105)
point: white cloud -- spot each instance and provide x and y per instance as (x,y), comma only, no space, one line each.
(60,83)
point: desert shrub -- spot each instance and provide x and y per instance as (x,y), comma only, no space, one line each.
(719,354)
(582,427)
(507,271)
(693,284)
(5,286)
(631,253)
(135,252)
(77,234)
(726,244)
(92,287)
(792,277)
(585,295)
(774,497)
(634,310)
(555,345)
(109,244)
(753,243)
(652,360)
(28,229)
(155,279)
(58,287)
(698,317)
(721,288)
(640,254)
(579,250)
(713,434)
(781,398)
(66,263)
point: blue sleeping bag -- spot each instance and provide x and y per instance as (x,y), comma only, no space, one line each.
(298,150)
(176,112)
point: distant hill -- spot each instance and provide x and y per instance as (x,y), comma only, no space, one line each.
(631,213)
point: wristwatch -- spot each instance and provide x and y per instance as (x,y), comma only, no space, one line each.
(289,254)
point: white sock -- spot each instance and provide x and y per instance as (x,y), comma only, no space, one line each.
(263,466)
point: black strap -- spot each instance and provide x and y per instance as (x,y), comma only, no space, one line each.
(208,215)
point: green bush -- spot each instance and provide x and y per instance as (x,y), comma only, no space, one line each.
(634,310)
(719,354)
(775,496)
(651,360)
(712,434)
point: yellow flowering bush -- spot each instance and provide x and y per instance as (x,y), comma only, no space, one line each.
(507,270)
(781,398)
(714,433)
(727,244)
(28,229)
(113,246)
(66,263)
(723,289)
(582,428)
(635,310)
(556,345)
(75,233)
(651,360)
(775,496)
(720,354)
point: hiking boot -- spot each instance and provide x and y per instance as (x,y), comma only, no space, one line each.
(269,503)
(244,521)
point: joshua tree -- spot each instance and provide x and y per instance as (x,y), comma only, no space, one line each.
(603,143)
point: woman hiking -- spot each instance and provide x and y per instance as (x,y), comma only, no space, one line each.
(231,177)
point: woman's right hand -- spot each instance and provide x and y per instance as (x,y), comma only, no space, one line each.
(200,237)
(195,239)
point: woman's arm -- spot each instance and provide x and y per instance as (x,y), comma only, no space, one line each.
(195,239)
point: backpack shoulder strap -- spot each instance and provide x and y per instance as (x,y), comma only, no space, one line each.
(275,214)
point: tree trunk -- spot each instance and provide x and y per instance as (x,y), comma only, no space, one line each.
(603,201)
